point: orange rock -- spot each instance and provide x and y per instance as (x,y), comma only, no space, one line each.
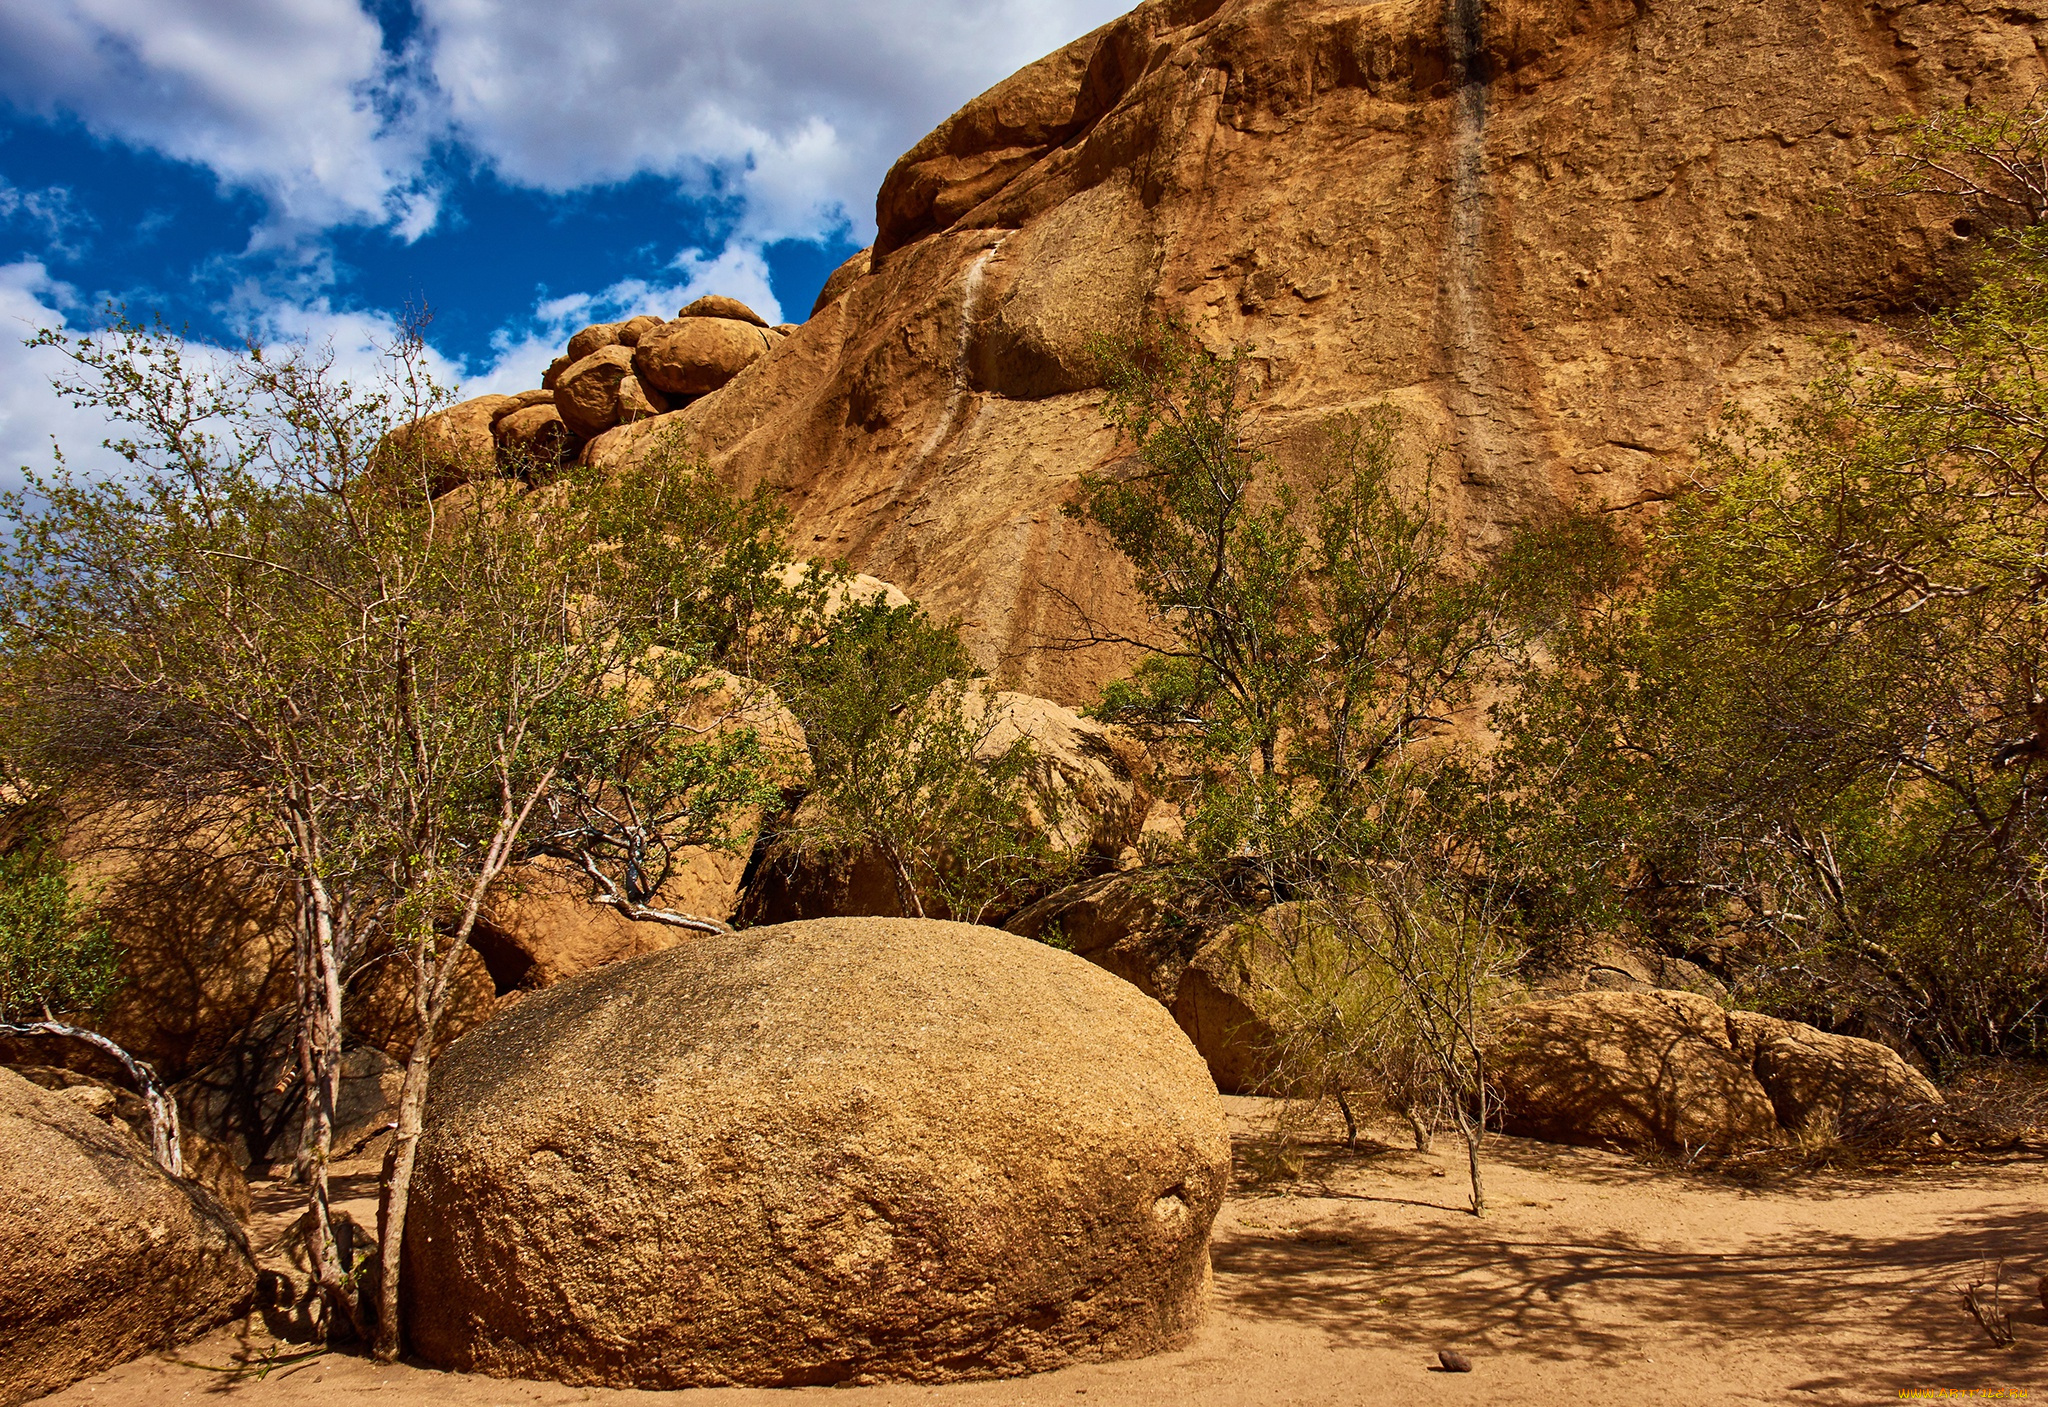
(842,278)
(717,305)
(1673,1070)
(633,329)
(849,1151)
(1562,284)
(587,396)
(103,1255)
(598,334)
(534,437)
(452,446)
(693,355)
(638,401)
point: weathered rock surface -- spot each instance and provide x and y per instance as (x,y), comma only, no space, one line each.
(1083,773)
(453,446)
(103,1255)
(542,927)
(587,395)
(1817,1080)
(843,278)
(717,305)
(633,329)
(1200,968)
(205,939)
(1562,269)
(534,437)
(1212,1002)
(638,402)
(856,590)
(249,1102)
(694,355)
(1084,796)
(1572,962)
(206,1162)
(1673,1070)
(1113,921)
(521,401)
(828,1152)
(592,338)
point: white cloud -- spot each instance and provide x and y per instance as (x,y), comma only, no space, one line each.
(794,108)
(293,99)
(50,212)
(798,107)
(31,414)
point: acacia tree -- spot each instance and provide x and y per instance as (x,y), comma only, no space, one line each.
(1216,544)
(270,621)
(1318,648)
(904,769)
(1806,743)
(58,965)
(1309,641)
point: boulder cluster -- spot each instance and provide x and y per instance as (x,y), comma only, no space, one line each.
(611,374)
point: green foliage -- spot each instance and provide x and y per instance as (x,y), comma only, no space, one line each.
(1325,644)
(905,769)
(1993,161)
(1366,990)
(56,959)
(1806,743)
(263,619)
(1215,560)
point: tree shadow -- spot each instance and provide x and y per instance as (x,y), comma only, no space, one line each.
(1883,1312)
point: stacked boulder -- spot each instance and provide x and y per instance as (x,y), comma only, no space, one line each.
(611,374)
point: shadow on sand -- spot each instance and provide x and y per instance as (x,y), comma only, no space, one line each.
(1888,1303)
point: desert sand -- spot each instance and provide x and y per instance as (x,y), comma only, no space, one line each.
(1595,1278)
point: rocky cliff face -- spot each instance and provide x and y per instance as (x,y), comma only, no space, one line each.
(1560,235)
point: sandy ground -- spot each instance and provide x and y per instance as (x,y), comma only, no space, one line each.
(1594,1279)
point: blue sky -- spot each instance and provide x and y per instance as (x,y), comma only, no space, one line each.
(304,169)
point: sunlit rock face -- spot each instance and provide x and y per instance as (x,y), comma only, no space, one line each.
(1560,236)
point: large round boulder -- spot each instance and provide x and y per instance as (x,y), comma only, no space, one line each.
(1673,1070)
(103,1255)
(450,447)
(587,395)
(694,355)
(589,339)
(838,1151)
(534,438)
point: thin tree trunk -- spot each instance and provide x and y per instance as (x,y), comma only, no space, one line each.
(1419,1128)
(1473,1133)
(398,1169)
(431,1003)
(321,1031)
(1350,1123)
(166,1145)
